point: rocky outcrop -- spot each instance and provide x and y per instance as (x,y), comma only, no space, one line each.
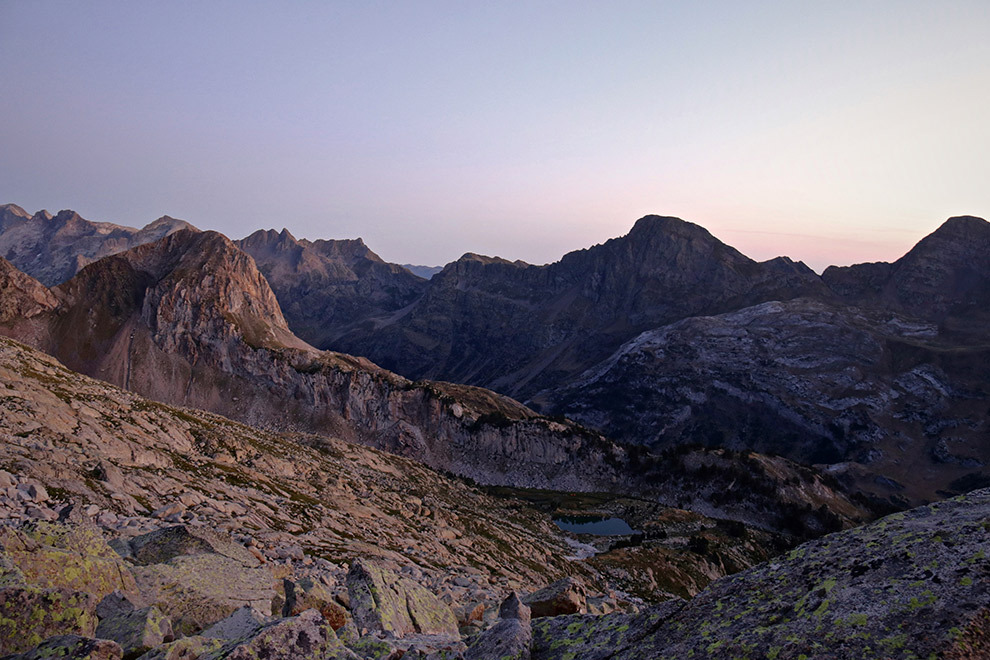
(911,585)
(327,288)
(54,248)
(29,615)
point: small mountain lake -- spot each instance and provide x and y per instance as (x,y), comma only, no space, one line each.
(594,525)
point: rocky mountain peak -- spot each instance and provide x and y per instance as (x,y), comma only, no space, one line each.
(14,209)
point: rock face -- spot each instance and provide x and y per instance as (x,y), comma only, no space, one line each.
(327,288)
(54,248)
(566,596)
(518,328)
(912,585)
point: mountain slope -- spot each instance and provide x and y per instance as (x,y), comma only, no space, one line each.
(328,287)
(54,248)
(518,328)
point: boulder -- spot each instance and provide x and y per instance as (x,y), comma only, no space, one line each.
(509,638)
(58,556)
(565,596)
(241,624)
(137,630)
(187,648)
(304,637)
(382,601)
(73,647)
(306,594)
(188,591)
(161,545)
(29,615)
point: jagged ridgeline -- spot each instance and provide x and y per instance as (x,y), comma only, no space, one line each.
(189,320)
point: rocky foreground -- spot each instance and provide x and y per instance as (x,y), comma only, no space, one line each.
(182,518)
(912,585)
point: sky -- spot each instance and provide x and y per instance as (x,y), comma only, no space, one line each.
(833,132)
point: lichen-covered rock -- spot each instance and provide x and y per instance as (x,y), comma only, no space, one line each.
(565,596)
(29,615)
(911,585)
(509,639)
(304,637)
(307,594)
(596,637)
(187,648)
(138,630)
(160,546)
(58,556)
(241,624)
(382,601)
(73,647)
(188,591)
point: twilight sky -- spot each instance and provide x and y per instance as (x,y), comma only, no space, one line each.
(830,131)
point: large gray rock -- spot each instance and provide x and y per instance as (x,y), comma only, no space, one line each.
(138,630)
(304,637)
(241,624)
(509,638)
(382,601)
(162,545)
(188,591)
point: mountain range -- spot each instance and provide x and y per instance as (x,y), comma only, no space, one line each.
(663,337)
(727,408)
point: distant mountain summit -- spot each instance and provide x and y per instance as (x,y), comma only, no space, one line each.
(519,328)
(54,248)
(328,287)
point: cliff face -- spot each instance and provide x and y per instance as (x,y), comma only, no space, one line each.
(54,248)
(518,328)
(327,288)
